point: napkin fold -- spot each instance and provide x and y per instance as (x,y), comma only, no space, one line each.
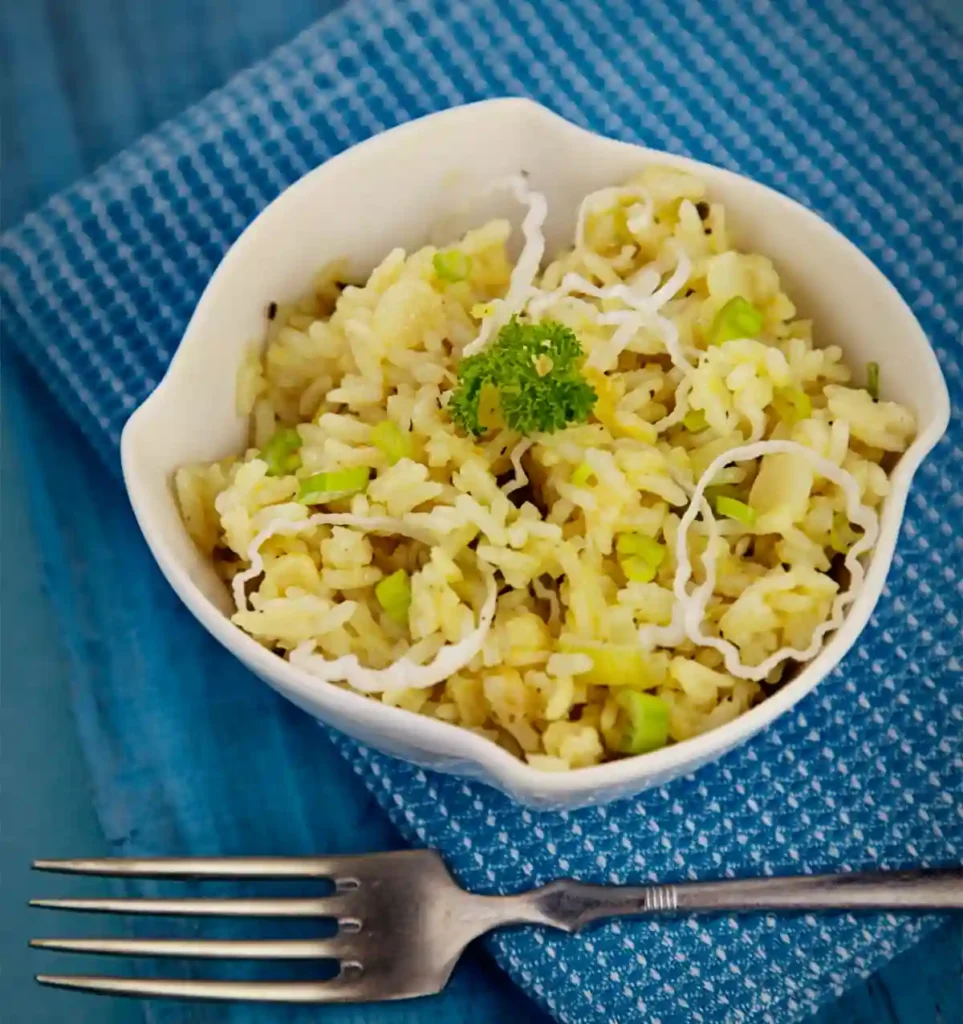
(846,106)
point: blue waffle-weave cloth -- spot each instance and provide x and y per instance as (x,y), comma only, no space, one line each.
(851,108)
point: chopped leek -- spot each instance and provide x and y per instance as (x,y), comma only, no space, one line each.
(647,548)
(646,722)
(695,420)
(452,265)
(394,595)
(340,483)
(637,569)
(792,405)
(872,380)
(842,536)
(391,441)
(281,452)
(618,664)
(732,508)
(738,318)
(713,494)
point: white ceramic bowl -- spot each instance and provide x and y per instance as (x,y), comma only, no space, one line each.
(425,181)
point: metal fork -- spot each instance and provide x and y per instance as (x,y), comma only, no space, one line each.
(403,922)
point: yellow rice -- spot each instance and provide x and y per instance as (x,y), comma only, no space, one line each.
(345,358)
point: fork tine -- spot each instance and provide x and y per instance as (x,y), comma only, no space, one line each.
(325,906)
(335,947)
(205,867)
(343,988)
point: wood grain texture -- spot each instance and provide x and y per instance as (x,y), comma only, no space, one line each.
(79,82)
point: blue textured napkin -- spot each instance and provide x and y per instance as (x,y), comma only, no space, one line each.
(848,107)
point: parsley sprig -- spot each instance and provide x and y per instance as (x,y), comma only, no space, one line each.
(535,369)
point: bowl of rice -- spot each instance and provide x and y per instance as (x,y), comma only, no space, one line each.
(536,457)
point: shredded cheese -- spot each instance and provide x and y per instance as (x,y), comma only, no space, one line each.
(573,283)
(689,610)
(644,304)
(404,674)
(640,213)
(290,528)
(522,281)
(681,408)
(400,675)
(521,477)
(675,281)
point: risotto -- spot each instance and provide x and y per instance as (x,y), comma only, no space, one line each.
(585,506)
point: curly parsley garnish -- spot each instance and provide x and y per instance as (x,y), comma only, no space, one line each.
(535,368)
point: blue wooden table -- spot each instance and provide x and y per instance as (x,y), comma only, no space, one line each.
(80,81)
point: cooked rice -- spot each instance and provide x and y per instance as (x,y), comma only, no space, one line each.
(538,517)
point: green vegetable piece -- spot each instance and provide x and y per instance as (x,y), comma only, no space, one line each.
(841,535)
(340,483)
(646,722)
(713,494)
(792,405)
(732,508)
(394,595)
(281,452)
(618,664)
(452,265)
(582,474)
(872,380)
(637,569)
(738,318)
(695,420)
(535,369)
(647,548)
(391,441)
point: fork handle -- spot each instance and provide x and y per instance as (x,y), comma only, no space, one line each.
(570,905)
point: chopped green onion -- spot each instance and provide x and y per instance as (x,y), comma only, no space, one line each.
(341,483)
(713,494)
(695,420)
(647,548)
(281,452)
(582,474)
(738,318)
(452,265)
(618,664)
(792,405)
(732,508)
(391,441)
(394,595)
(872,380)
(637,569)
(646,722)
(841,536)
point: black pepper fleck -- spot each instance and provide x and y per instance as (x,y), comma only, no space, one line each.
(272,311)
(703,210)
